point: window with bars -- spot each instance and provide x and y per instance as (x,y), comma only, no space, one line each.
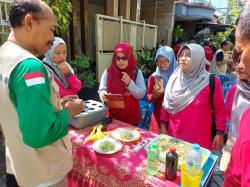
(4,7)
(4,20)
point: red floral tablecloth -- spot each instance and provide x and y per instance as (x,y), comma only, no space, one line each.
(125,168)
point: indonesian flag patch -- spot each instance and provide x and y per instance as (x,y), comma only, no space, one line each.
(34,78)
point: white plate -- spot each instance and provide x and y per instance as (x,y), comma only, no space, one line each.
(97,146)
(132,133)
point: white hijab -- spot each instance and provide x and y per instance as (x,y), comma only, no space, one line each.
(53,67)
(241,103)
(182,88)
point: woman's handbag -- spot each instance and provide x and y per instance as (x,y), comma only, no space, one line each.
(211,86)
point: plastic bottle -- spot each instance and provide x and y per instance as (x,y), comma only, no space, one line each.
(194,158)
(152,159)
(171,164)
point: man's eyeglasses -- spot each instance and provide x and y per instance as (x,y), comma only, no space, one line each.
(123,58)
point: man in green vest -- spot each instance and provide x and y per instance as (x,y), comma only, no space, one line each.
(33,119)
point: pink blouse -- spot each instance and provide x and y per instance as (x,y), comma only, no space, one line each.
(75,86)
(238,171)
(193,124)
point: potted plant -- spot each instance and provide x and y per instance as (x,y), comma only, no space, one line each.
(145,61)
(84,69)
(177,33)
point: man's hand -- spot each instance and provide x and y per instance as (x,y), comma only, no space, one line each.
(218,142)
(74,106)
(67,98)
(126,79)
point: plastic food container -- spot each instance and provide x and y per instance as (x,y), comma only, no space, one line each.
(94,112)
(181,146)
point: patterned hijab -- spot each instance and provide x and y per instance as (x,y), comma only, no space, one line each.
(52,67)
(168,53)
(182,88)
(114,83)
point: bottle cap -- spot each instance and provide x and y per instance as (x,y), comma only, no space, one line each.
(154,146)
(172,149)
(196,146)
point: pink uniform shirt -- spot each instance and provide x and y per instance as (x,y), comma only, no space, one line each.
(238,171)
(193,123)
(75,86)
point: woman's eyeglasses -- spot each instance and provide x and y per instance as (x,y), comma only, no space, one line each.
(123,58)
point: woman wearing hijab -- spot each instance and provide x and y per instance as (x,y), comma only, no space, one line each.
(123,77)
(238,170)
(166,64)
(186,106)
(238,101)
(55,62)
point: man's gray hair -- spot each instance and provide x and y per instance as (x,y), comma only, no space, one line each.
(244,22)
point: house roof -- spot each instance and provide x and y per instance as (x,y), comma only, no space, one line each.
(196,5)
(214,25)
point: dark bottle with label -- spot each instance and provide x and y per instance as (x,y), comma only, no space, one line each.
(171,164)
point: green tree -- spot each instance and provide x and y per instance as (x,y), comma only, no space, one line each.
(177,33)
(221,19)
(221,36)
(82,66)
(235,7)
(62,9)
(145,61)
